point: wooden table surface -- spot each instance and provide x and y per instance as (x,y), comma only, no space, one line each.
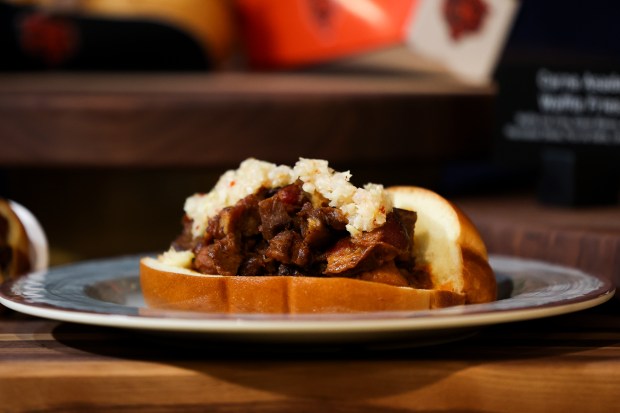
(518,225)
(567,363)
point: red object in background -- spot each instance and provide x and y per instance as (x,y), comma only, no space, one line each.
(464,16)
(287,33)
(50,39)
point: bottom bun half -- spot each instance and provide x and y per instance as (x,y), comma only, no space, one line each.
(173,288)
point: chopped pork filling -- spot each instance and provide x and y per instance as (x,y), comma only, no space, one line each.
(280,232)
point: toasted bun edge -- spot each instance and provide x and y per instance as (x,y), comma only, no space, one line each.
(468,257)
(166,287)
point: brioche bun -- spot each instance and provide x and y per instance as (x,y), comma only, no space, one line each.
(446,245)
(173,288)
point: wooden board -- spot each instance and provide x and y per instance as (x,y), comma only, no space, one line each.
(569,363)
(585,238)
(205,120)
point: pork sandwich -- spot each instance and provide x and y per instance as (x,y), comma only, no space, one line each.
(303,239)
(23,244)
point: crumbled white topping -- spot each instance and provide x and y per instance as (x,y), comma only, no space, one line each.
(175,258)
(365,208)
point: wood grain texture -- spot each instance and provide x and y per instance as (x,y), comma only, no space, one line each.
(219,119)
(584,238)
(567,363)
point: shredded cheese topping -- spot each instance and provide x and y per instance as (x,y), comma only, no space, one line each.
(365,208)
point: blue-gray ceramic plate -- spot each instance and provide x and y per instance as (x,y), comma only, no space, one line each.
(107,293)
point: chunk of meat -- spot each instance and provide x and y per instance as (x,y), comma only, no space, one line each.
(321,226)
(292,197)
(277,212)
(273,217)
(289,248)
(241,219)
(348,257)
(280,232)
(222,257)
(370,249)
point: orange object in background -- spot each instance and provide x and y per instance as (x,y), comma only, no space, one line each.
(288,33)
(116,34)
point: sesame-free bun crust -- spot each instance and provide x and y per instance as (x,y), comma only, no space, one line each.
(448,244)
(173,288)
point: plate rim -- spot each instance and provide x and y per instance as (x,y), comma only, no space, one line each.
(241,325)
(378,322)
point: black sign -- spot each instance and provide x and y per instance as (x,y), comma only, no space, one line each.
(558,105)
